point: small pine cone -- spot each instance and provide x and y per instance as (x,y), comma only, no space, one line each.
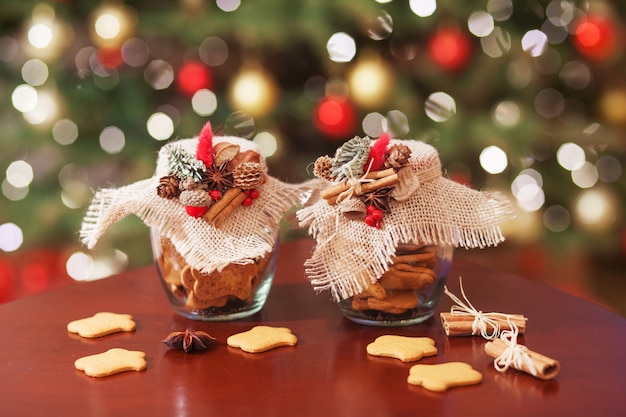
(322,167)
(168,187)
(397,156)
(195,198)
(248,175)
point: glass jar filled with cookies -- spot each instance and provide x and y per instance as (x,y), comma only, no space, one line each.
(408,292)
(386,223)
(214,214)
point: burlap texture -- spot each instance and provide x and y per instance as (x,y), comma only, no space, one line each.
(248,234)
(349,255)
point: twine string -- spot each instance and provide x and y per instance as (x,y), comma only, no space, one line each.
(481,320)
(514,355)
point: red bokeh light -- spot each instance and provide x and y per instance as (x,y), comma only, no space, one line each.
(335,117)
(450,49)
(194,76)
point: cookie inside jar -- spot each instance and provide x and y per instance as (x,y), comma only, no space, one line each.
(407,291)
(239,289)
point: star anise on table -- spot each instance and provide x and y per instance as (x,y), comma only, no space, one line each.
(218,178)
(378,198)
(189,340)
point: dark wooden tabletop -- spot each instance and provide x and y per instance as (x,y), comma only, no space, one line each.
(328,373)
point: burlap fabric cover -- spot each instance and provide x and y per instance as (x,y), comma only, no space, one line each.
(248,233)
(350,255)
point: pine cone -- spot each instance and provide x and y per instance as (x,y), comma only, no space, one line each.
(397,156)
(168,187)
(195,198)
(322,167)
(248,175)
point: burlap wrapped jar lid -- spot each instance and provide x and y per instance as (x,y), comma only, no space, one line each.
(178,199)
(403,179)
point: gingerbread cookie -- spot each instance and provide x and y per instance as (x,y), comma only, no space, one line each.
(442,376)
(111,362)
(407,349)
(102,324)
(262,338)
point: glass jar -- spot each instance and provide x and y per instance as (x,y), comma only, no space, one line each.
(408,292)
(238,291)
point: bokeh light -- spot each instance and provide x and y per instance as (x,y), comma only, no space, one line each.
(159,74)
(160,126)
(112,139)
(596,210)
(440,106)
(204,102)
(267,142)
(341,47)
(11,237)
(19,174)
(556,218)
(423,8)
(40,35)
(480,24)
(35,72)
(24,98)
(570,156)
(493,160)
(65,132)
(534,42)
(585,175)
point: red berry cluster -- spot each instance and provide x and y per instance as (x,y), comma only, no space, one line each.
(374,217)
(215,195)
(250,196)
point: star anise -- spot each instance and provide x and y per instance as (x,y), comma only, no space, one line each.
(378,198)
(189,340)
(218,178)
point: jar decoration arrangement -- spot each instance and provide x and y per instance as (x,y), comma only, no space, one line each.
(386,223)
(214,216)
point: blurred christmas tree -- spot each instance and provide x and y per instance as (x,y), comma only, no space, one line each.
(527,97)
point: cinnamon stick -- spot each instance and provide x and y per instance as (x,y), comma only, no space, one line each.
(545,367)
(461,324)
(383,178)
(230,207)
(219,205)
(387,181)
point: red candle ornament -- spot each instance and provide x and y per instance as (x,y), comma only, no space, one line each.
(193,76)
(450,49)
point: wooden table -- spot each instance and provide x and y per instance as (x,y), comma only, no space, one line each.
(328,373)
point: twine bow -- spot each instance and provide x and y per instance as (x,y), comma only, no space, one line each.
(354,183)
(481,320)
(514,355)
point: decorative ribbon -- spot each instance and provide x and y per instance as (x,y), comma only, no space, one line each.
(481,320)
(514,355)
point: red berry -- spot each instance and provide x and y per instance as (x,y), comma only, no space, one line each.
(215,195)
(369,220)
(196,211)
(370,209)
(247,192)
(247,201)
(254,194)
(377,215)
(379,224)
